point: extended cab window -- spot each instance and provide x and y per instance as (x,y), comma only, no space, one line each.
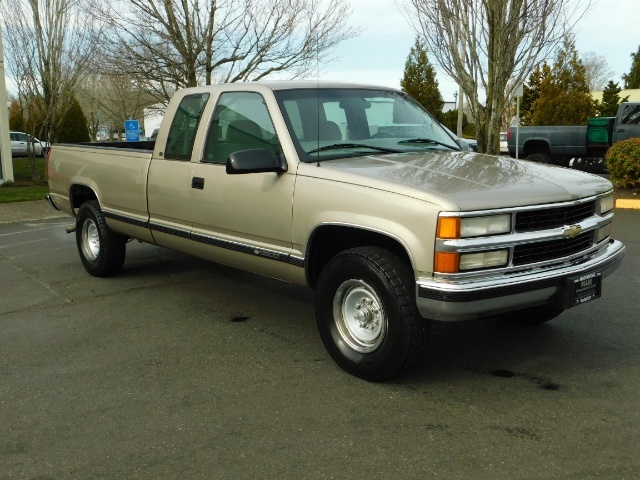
(241,121)
(184,126)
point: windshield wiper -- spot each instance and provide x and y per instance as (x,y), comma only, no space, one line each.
(427,140)
(339,146)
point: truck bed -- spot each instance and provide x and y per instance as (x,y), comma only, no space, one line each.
(114,175)
(142,145)
(560,143)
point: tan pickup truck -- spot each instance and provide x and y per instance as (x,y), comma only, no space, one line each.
(354,191)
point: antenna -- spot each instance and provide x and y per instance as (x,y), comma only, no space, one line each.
(318,93)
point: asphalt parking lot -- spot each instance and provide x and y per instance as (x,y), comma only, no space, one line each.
(183,369)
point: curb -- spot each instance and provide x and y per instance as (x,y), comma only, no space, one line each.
(627,203)
(28,211)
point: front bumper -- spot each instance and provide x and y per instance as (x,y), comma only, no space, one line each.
(479,298)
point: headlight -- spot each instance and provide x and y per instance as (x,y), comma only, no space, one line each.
(456,227)
(604,205)
(473,261)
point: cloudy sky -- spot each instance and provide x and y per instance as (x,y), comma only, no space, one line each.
(378,55)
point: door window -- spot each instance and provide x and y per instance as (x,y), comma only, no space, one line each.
(631,114)
(18,137)
(241,121)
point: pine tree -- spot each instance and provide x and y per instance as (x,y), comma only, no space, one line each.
(450,120)
(632,79)
(564,94)
(16,118)
(37,118)
(73,125)
(420,82)
(531,92)
(610,100)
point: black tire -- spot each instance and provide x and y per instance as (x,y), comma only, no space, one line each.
(539,157)
(366,313)
(533,316)
(102,250)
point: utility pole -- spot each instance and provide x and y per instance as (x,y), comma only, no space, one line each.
(6,161)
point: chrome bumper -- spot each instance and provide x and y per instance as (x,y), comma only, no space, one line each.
(50,200)
(479,298)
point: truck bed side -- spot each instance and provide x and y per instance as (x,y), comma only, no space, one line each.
(116,177)
(560,143)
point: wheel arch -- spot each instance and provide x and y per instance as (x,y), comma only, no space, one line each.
(328,240)
(79,194)
(536,146)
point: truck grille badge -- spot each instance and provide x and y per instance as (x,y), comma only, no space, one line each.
(572,231)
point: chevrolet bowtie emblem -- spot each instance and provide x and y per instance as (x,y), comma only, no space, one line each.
(572,231)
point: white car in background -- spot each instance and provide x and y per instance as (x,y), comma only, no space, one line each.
(19,142)
(504,149)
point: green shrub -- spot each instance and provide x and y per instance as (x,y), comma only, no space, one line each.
(623,162)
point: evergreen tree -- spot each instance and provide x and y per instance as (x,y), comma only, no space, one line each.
(450,120)
(420,82)
(16,118)
(36,118)
(531,92)
(632,79)
(73,125)
(564,94)
(610,100)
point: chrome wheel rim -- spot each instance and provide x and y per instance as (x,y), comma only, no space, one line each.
(90,240)
(359,316)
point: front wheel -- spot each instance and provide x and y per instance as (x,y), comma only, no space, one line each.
(366,313)
(102,250)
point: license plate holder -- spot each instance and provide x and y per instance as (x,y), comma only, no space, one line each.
(583,288)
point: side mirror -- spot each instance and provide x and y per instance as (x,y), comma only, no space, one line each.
(463,145)
(258,160)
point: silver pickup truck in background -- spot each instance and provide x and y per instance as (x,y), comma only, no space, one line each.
(354,191)
(559,144)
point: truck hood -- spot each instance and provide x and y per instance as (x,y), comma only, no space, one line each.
(471,181)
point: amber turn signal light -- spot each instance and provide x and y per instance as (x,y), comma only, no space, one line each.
(448,227)
(446,262)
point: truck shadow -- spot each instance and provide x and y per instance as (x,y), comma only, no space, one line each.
(486,347)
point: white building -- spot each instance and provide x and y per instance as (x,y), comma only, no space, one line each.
(153,118)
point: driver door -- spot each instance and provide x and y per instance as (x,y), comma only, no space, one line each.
(242,220)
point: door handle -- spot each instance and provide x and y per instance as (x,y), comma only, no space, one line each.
(620,130)
(197,182)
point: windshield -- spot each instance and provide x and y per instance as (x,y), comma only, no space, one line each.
(329,123)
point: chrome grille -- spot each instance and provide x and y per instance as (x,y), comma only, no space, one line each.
(532,220)
(528,253)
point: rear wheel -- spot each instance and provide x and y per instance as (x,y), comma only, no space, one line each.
(539,157)
(102,250)
(366,313)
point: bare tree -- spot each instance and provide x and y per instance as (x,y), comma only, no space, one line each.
(490,46)
(109,100)
(598,71)
(48,44)
(171,44)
